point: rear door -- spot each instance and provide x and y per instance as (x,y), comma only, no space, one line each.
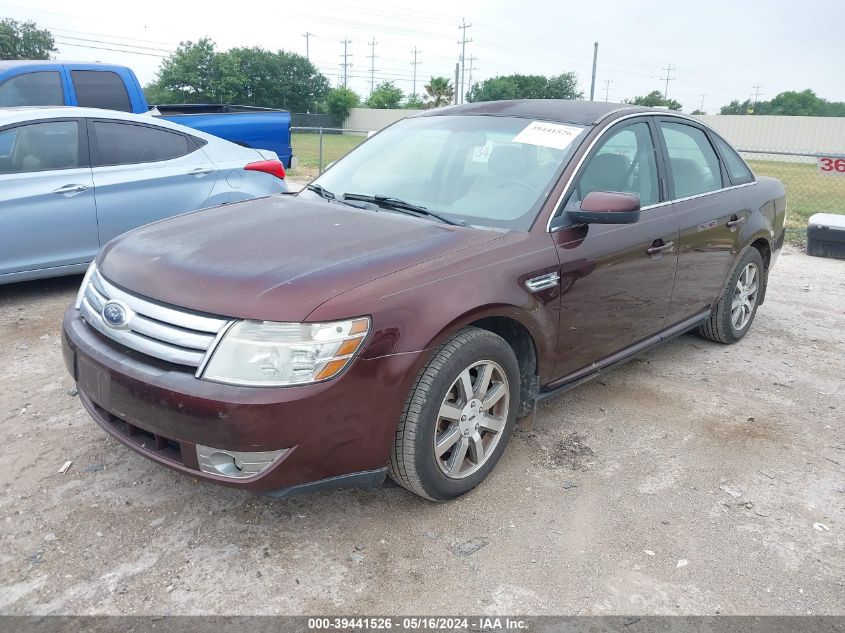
(47,211)
(616,280)
(710,213)
(143,173)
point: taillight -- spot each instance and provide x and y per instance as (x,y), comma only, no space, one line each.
(272,167)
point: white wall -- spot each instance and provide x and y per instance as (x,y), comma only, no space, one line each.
(781,133)
(372,120)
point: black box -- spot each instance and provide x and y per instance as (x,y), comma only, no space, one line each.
(826,235)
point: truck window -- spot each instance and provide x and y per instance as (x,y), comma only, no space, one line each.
(100,89)
(126,143)
(42,88)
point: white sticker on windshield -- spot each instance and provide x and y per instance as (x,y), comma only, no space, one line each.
(481,153)
(545,134)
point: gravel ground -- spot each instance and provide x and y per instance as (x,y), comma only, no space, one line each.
(698,479)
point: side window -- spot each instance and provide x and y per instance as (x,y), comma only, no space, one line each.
(624,162)
(738,171)
(43,88)
(692,160)
(39,147)
(100,89)
(117,143)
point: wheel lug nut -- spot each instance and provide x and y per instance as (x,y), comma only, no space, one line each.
(463,418)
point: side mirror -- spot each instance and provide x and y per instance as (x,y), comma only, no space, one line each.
(607,207)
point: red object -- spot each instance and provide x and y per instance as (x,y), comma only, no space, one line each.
(272,167)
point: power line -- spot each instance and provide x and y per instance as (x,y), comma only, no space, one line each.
(667,79)
(307,35)
(345,65)
(463,42)
(105,48)
(372,57)
(415,63)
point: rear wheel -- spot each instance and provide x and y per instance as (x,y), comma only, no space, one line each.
(732,317)
(458,417)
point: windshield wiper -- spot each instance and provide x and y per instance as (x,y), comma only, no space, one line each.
(396,204)
(325,194)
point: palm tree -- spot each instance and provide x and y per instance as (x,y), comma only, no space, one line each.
(439,92)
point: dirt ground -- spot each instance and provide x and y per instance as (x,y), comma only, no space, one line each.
(698,479)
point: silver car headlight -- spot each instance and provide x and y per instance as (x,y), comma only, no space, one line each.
(272,354)
(85,280)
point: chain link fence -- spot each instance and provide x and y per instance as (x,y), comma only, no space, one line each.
(813,183)
(317,147)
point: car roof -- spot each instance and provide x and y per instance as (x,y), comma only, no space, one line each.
(22,114)
(556,110)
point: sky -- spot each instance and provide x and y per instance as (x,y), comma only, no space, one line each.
(718,50)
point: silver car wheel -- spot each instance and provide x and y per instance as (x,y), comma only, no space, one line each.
(745,296)
(471,419)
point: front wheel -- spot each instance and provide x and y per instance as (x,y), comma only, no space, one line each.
(458,417)
(732,317)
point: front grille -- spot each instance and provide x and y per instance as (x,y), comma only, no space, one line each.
(153,329)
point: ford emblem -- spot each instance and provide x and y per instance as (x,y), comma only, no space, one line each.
(116,314)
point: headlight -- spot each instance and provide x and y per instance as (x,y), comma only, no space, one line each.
(85,280)
(270,354)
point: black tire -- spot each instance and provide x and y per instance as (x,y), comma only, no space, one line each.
(720,327)
(413,464)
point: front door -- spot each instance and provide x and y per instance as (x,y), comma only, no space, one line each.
(47,210)
(710,214)
(616,280)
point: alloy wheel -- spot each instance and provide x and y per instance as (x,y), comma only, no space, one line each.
(471,419)
(745,296)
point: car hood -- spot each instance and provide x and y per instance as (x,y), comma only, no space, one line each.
(275,258)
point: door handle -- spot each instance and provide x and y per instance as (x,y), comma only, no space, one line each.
(735,221)
(200,171)
(71,189)
(659,248)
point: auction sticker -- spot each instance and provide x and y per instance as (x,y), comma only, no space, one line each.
(545,134)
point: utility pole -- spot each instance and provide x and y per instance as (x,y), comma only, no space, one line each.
(307,35)
(595,61)
(414,64)
(457,77)
(667,79)
(372,57)
(703,94)
(472,67)
(757,94)
(607,83)
(345,65)
(463,42)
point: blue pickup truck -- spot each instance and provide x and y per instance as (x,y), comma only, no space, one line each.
(95,85)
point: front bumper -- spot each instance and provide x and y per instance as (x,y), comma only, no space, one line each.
(335,432)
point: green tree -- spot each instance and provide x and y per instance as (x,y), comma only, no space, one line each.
(198,72)
(563,86)
(789,103)
(439,92)
(340,101)
(654,99)
(386,95)
(276,80)
(24,40)
(414,102)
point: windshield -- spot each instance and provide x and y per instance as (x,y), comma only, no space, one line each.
(484,170)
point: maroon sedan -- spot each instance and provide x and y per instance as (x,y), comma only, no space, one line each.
(400,314)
